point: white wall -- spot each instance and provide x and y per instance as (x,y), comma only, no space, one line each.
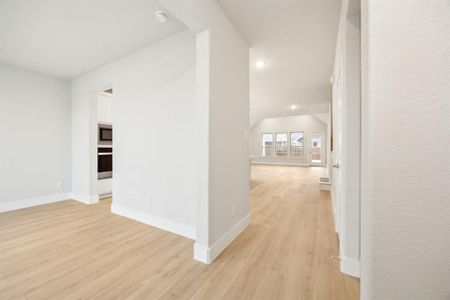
(406,142)
(306,123)
(154,133)
(346,136)
(35,138)
(104,109)
(222,125)
(228,133)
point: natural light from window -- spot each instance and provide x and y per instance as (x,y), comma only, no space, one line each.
(267,144)
(297,139)
(281,144)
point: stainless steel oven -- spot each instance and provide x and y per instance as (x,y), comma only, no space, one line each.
(104,162)
(105,134)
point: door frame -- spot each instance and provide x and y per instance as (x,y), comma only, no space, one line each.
(322,150)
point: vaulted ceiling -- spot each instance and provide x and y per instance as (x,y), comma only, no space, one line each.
(66,38)
(297,40)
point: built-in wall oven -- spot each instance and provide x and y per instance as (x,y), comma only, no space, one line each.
(105,134)
(105,162)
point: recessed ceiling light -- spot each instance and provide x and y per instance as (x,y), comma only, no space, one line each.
(294,107)
(161,16)
(310,108)
(260,64)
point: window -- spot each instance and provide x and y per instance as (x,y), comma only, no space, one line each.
(267,144)
(281,148)
(297,139)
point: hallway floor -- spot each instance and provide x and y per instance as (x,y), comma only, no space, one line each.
(70,250)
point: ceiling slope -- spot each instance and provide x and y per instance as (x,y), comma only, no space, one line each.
(66,38)
(297,41)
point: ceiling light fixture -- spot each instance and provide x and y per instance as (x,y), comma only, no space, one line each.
(294,107)
(260,64)
(161,16)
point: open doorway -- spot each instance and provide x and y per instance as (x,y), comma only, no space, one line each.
(316,150)
(104,143)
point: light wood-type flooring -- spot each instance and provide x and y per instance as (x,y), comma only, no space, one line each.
(68,250)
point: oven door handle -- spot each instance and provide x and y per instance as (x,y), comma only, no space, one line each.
(108,153)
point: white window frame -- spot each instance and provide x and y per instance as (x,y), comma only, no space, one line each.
(290,144)
(287,144)
(272,148)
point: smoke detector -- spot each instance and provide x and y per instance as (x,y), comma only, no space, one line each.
(161,16)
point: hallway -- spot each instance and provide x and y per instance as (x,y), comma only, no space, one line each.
(71,250)
(298,242)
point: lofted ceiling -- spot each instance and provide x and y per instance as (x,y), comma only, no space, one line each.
(297,40)
(66,38)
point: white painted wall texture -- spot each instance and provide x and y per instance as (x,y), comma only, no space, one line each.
(35,138)
(228,123)
(104,109)
(307,124)
(154,133)
(406,142)
(223,123)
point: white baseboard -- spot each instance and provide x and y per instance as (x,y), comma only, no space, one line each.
(319,165)
(202,253)
(350,266)
(86,199)
(155,221)
(208,255)
(102,196)
(279,163)
(13,205)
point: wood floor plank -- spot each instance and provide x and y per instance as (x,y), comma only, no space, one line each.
(69,250)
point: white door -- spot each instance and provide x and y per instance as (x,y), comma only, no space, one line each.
(338,127)
(316,149)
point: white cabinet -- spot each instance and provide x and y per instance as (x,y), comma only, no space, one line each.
(104,109)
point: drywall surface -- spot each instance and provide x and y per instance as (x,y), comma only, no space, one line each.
(35,136)
(154,131)
(405,206)
(222,67)
(304,123)
(228,130)
(104,109)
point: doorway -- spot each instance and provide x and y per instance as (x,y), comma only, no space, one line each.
(104,126)
(316,149)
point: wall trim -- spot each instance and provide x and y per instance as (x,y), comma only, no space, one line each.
(86,199)
(319,165)
(208,255)
(155,221)
(350,266)
(35,201)
(202,253)
(279,163)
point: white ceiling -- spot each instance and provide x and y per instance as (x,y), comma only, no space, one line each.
(297,41)
(66,38)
